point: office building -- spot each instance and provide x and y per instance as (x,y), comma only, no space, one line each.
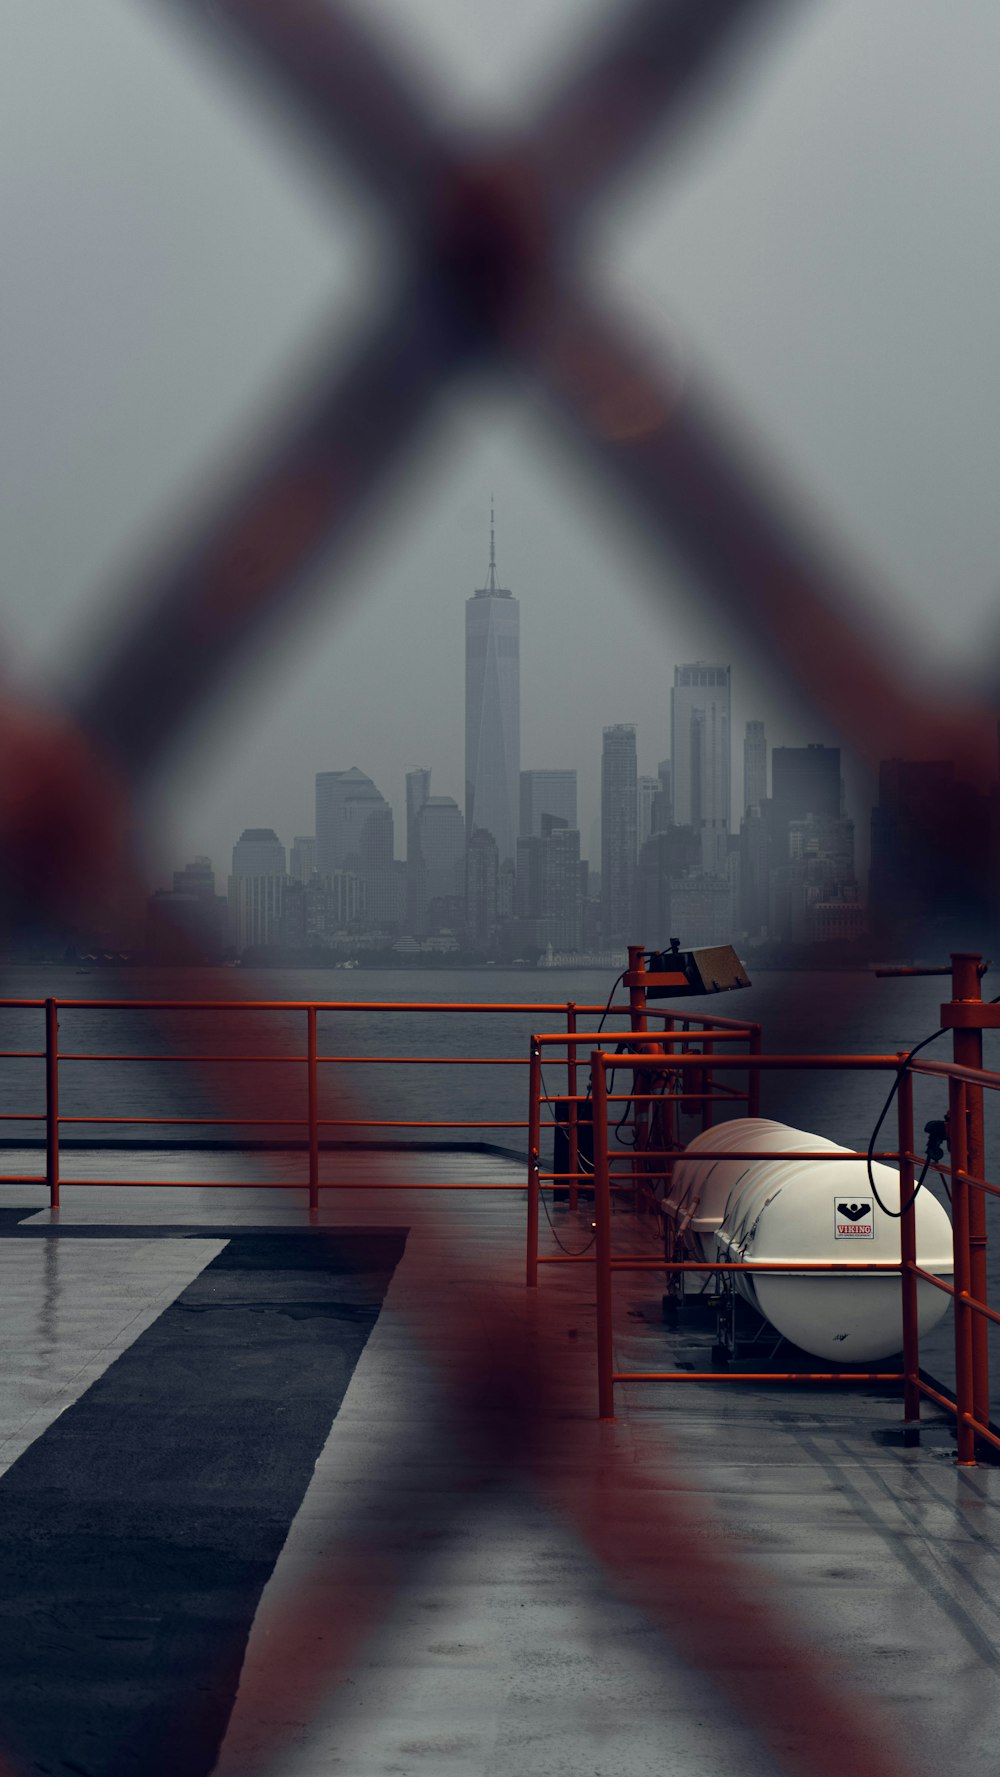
(546,793)
(550,889)
(482,888)
(302,859)
(754,766)
(256,888)
(355,832)
(439,831)
(493,712)
(418,788)
(804,781)
(700,757)
(647,791)
(618,833)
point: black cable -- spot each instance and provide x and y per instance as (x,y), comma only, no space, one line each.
(884,1207)
(580,1164)
(904,1065)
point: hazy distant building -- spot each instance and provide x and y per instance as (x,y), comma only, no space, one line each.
(933,858)
(315,913)
(493,712)
(196,878)
(482,871)
(187,924)
(440,836)
(355,832)
(550,889)
(551,793)
(302,859)
(662,813)
(256,888)
(805,780)
(418,788)
(700,757)
(664,859)
(754,766)
(618,833)
(258,852)
(647,790)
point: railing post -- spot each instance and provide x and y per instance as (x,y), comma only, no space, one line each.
(534,1159)
(964,1364)
(908,1249)
(753,1074)
(313,1108)
(602,1224)
(52,1101)
(707,1105)
(572,1127)
(639,1022)
(968,1052)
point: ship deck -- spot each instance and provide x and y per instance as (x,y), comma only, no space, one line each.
(490,1641)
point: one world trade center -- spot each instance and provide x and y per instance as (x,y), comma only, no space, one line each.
(493,711)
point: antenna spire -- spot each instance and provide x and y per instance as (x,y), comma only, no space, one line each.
(492,583)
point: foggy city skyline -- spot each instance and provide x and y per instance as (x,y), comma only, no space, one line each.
(799,256)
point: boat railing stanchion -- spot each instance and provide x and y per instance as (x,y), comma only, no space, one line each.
(313,1108)
(964,1398)
(534,1159)
(52,1101)
(908,1259)
(966,986)
(753,1073)
(602,1229)
(572,1128)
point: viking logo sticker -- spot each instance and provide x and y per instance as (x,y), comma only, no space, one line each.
(854,1218)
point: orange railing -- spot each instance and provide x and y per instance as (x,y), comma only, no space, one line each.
(301,1130)
(691,1034)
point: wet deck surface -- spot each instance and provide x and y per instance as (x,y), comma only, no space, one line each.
(506,1650)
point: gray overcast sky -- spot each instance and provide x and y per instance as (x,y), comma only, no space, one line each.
(825,249)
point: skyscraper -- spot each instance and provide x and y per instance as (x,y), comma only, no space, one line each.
(805,780)
(440,835)
(754,766)
(546,793)
(493,711)
(700,757)
(418,788)
(618,832)
(354,832)
(256,887)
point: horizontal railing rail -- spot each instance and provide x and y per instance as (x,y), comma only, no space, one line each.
(303,1129)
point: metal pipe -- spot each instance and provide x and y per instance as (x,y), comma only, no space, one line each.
(313,1088)
(602,1225)
(908,1247)
(534,1139)
(966,976)
(572,1127)
(52,1101)
(960,1236)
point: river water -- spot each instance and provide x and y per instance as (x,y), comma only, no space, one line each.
(799,1013)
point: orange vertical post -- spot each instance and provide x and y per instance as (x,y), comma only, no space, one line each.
(639,1022)
(968,1052)
(534,1160)
(964,1363)
(708,1082)
(572,1127)
(908,1249)
(602,1226)
(753,1074)
(52,1101)
(313,1108)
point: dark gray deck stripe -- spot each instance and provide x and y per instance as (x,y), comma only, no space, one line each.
(138,1532)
